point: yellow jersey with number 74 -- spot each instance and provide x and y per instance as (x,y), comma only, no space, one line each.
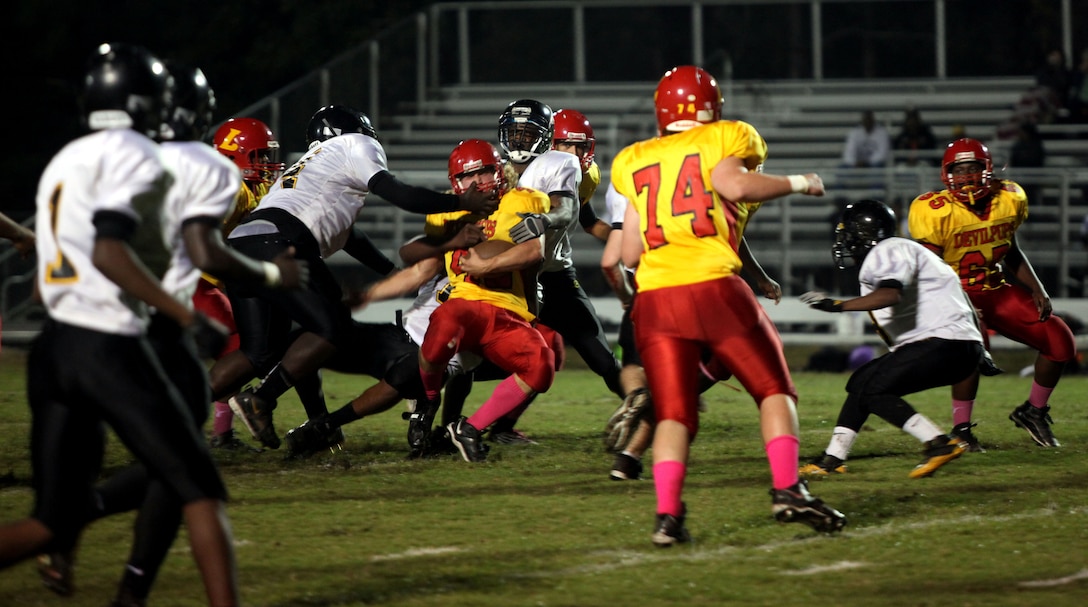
(689,231)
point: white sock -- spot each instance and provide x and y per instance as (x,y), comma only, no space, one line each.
(921,428)
(842,439)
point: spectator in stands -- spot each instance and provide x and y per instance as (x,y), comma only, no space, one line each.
(867,144)
(1078,91)
(1028,151)
(1054,79)
(915,136)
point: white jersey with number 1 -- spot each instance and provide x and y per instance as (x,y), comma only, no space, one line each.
(112,171)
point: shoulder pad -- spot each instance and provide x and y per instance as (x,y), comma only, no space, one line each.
(933,203)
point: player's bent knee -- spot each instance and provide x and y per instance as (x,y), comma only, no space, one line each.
(540,376)
(403,375)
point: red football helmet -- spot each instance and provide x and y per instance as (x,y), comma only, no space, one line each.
(970,187)
(572,127)
(686,97)
(249,143)
(472,156)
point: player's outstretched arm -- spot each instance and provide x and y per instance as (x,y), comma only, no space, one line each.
(22,238)
(732,180)
(208,252)
(407,281)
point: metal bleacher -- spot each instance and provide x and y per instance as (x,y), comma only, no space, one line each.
(426,88)
(804,124)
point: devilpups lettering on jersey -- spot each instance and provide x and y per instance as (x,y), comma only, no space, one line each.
(690,233)
(506,290)
(973,244)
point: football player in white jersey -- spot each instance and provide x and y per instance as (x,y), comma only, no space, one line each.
(426,277)
(100,201)
(313,207)
(202,195)
(924,317)
(564,305)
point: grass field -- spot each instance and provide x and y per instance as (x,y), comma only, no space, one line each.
(543,526)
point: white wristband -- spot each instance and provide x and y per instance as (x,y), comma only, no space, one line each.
(272,276)
(798,183)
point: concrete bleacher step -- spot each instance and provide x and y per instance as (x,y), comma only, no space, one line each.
(804,124)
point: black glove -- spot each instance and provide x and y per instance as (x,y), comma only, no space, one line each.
(820,301)
(987,366)
(210,335)
(479,202)
(531,226)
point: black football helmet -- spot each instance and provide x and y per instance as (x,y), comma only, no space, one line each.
(525,130)
(125,86)
(863,224)
(192,104)
(333,120)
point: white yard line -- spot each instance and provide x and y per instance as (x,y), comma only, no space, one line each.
(414,552)
(818,569)
(1069,579)
(618,560)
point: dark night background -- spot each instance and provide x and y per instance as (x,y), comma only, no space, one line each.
(251,48)
(247,48)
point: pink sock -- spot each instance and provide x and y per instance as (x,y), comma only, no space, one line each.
(1039,396)
(669,483)
(961,411)
(223,418)
(506,397)
(432,383)
(782,453)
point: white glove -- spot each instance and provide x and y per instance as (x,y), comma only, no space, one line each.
(531,226)
(820,301)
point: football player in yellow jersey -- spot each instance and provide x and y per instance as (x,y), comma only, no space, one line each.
(489,308)
(566,308)
(629,431)
(250,144)
(680,235)
(972,225)
(529,132)
(574,135)
(453,233)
